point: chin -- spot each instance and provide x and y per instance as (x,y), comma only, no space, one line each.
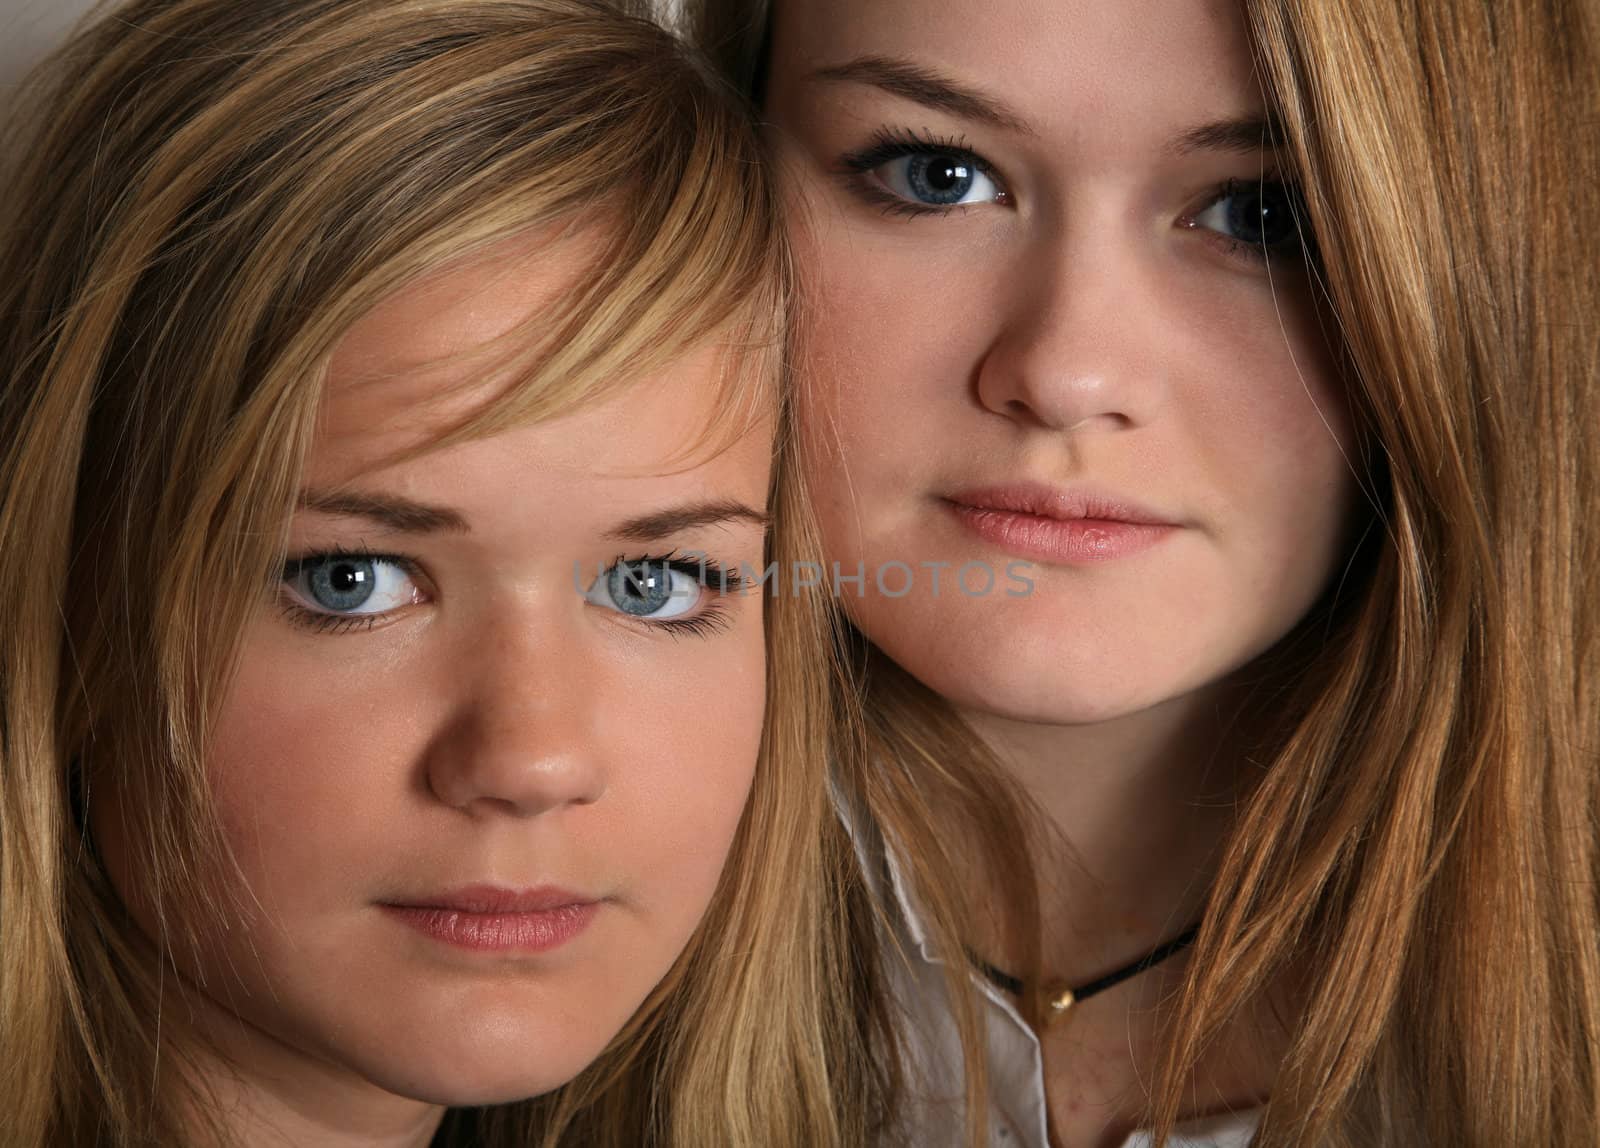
(999,684)
(459,1050)
(1017,663)
(1077,705)
(509,1071)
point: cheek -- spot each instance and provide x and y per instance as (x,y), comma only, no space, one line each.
(306,781)
(882,382)
(316,759)
(684,748)
(888,326)
(1277,443)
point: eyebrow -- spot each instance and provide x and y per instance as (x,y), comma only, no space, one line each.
(401,515)
(665,523)
(1246,135)
(404,516)
(933,89)
(924,85)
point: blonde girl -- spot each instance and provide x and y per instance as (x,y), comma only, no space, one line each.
(1264,332)
(387,399)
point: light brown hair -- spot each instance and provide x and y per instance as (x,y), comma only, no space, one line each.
(1421,852)
(201,198)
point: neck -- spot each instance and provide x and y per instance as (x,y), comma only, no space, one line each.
(1135,812)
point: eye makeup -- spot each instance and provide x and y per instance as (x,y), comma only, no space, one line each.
(710,611)
(347,579)
(1253,221)
(860,170)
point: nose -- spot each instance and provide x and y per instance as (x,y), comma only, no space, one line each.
(1071,350)
(521,740)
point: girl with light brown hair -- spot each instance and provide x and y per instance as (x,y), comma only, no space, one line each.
(388,393)
(1265,333)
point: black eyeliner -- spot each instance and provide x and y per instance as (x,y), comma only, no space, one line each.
(889,144)
(1300,246)
(321,621)
(713,616)
(707,570)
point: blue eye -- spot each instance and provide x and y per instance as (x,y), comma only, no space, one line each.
(648,588)
(915,174)
(350,585)
(938,179)
(1264,214)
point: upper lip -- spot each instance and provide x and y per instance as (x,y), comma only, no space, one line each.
(496,899)
(1063,503)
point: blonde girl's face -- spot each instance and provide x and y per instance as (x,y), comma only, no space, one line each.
(1061,341)
(492,732)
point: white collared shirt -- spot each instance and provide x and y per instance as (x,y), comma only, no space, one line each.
(933,1112)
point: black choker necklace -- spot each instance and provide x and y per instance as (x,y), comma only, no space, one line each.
(1056,1000)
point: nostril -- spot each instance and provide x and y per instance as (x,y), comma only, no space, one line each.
(1109,420)
(522,768)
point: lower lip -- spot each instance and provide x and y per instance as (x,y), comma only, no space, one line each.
(534,932)
(1058,540)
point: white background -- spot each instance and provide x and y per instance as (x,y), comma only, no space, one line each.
(29,29)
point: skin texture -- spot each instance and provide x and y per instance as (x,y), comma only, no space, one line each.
(494,728)
(1090,322)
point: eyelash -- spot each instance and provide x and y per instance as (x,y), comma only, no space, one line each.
(712,618)
(897,143)
(1304,250)
(315,620)
(889,144)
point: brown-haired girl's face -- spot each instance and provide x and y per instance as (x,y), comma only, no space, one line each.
(490,738)
(1061,341)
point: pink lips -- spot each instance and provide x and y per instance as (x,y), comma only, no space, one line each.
(489,919)
(1059,526)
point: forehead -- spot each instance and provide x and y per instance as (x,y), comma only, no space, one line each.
(438,334)
(1066,65)
(430,356)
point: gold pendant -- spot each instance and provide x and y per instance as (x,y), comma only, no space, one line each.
(1058,1001)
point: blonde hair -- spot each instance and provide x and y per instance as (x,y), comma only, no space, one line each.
(202,198)
(1419,854)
